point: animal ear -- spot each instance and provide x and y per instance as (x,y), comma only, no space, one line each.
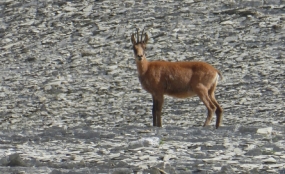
(133,39)
(145,38)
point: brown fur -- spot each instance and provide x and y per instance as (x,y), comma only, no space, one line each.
(177,79)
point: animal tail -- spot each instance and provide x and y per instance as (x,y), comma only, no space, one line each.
(220,74)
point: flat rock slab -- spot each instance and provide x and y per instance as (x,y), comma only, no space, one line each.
(71,100)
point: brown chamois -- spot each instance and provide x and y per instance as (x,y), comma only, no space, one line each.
(176,79)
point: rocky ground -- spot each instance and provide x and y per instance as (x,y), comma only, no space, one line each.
(71,101)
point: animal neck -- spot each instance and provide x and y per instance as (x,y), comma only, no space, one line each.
(142,66)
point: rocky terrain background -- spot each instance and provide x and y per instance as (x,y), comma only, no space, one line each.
(71,101)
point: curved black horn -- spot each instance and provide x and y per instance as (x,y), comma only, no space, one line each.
(138,36)
(142,35)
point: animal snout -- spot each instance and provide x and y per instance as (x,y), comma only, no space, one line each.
(140,57)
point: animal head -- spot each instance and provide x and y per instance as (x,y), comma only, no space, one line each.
(139,45)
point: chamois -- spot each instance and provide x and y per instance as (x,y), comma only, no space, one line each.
(176,79)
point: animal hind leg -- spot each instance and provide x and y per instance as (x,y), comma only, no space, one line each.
(202,92)
(219,110)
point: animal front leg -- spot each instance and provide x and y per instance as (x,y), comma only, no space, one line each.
(156,110)
(154,106)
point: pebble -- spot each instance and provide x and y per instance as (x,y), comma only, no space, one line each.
(267,130)
(269,160)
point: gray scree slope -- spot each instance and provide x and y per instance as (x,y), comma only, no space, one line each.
(71,100)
